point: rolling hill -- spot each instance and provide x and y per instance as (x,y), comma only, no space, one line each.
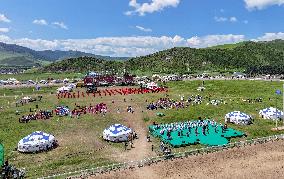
(251,57)
(15,55)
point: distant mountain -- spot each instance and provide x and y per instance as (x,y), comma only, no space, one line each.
(15,55)
(250,57)
(55,55)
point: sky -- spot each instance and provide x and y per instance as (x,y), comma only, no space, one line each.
(137,27)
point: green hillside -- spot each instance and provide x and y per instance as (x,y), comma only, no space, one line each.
(228,46)
(251,57)
(82,64)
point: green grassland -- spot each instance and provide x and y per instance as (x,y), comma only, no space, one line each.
(80,139)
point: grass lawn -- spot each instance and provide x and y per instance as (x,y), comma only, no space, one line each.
(80,140)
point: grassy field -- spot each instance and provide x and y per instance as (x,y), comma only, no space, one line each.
(80,140)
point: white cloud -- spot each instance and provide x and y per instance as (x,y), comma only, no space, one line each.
(212,40)
(124,46)
(233,19)
(225,19)
(40,22)
(153,6)
(60,24)
(143,29)
(4,30)
(270,36)
(3,18)
(261,4)
(245,21)
(220,19)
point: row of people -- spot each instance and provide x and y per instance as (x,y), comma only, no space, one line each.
(42,114)
(190,126)
(110,92)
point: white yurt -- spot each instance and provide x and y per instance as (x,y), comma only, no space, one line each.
(36,142)
(117,133)
(238,117)
(270,113)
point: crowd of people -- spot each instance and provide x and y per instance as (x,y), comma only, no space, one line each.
(41,114)
(9,171)
(197,99)
(191,126)
(165,149)
(167,103)
(110,92)
(100,108)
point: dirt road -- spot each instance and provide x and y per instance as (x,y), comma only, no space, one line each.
(262,161)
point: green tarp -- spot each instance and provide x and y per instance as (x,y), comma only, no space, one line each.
(1,154)
(211,139)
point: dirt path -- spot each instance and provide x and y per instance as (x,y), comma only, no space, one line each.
(265,161)
(141,148)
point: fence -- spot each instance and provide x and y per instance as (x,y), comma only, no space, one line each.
(149,161)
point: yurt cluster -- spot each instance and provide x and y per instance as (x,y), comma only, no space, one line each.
(238,117)
(40,141)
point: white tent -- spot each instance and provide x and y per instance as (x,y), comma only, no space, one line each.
(64,89)
(35,142)
(117,133)
(151,85)
(270,113)
(238,117)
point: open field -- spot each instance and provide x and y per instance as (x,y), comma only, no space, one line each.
(80,143)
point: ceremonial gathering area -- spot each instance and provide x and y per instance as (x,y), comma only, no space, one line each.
(71,130)
(194,132)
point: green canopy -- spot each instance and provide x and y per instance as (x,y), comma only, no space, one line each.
(1,154)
